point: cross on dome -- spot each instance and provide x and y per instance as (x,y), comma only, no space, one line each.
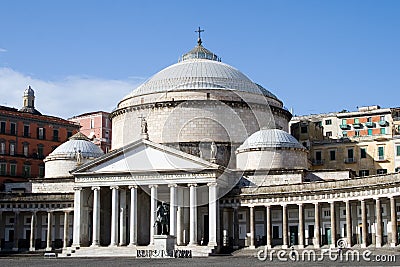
(199,39)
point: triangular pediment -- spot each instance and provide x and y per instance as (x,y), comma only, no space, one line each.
(145,156)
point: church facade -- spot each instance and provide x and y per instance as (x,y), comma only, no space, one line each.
(202,138)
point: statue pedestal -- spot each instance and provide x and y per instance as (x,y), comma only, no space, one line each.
(164,242)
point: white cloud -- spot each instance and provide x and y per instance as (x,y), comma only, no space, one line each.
(2,50)
(65,98)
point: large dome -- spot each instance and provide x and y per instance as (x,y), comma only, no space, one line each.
(199,69)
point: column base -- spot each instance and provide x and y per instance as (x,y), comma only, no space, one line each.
(252,247)
(332,245)
(121,244)
(317,246)
(268,246)
(15,249)
(132,245)
(363,246)
(32,249)
(48,249)
(393,245)
(285,247)
(300,246)
(212,244)
(378,245)
(112,245)
(95,245)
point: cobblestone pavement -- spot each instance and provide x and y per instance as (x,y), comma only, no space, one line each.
(210,262)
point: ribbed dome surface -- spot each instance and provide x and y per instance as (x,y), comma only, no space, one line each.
(192,74)
(78,142)
(270,138)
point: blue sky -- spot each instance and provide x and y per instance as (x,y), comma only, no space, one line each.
(316,56)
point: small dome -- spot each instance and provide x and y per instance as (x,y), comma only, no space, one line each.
(269,138)
(76,143)
(29,92)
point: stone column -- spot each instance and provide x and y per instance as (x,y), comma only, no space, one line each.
(153,210)
(284,227)
(66,229)
(180,213)
(348,224)
(393,220)
(172,209)
(133,217)
(16,230)
(378,234)
(317,226)
(76,239)
(301,226)
(235,227)
(364,224)
(114,215)
(122,217)
(193,214)
(269,228)
(333,224)
(212,213)
(252,228)
(49,228)
(32,237)
(96,217)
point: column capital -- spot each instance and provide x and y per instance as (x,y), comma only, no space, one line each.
(300,204)
(316,203)
(192,185)
(94,188)
(362,200)
(212,184)
(346,201)
(268,206)
(133,187)
(172,185)
(377,198)
(284,205)
(67,211)
(78,188)
(114,187)
(332,202)
(153,186)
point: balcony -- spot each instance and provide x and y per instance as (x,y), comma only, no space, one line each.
(383,123)
(345,126)
(349,160)
(357,125)
(317,162)
(370,124)
(381,159)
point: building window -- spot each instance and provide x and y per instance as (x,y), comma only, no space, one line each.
(41,133)
(344,133)
(363,152)
(13,169)
(350,154)
(398,151)
(3,166)
(69,134)
(3,127)
(26,131)
(41,171)
(13,128)
(381,171)
(332,155)
(357,133)
(303,129)
(2,147)
(383,130)
(381,153)
(40,151)
(369,119)
(91,123)
(344,122)
(55,135)
(328,134)
(26,149)
(328,122)
(356,121)
(27,171)
(327,213)
(364,173)
(382,118)
(275,232)
(12,149)
(369,131)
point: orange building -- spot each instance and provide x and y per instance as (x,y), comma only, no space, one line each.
(27,137)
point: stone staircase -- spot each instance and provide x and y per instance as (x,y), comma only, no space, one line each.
(125,251)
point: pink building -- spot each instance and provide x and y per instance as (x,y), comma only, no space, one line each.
(96,126)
